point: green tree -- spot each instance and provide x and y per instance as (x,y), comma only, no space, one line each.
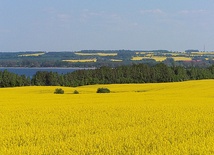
(103,90)
(59,91)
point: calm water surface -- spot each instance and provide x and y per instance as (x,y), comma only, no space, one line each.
(31,71)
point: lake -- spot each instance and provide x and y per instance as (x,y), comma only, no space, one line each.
(31,71)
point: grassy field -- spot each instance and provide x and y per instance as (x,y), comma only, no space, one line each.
(166,118)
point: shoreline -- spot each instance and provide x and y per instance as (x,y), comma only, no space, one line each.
(48,67)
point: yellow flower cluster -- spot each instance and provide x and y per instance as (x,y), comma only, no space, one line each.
(166,118)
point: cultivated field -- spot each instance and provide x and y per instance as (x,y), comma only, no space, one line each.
(32,55)
(116,60)
(166,118)
(81,60)
(97,54)
(161,58)
(182,58)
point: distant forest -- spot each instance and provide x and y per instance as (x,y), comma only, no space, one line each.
(136,73)
(110,58)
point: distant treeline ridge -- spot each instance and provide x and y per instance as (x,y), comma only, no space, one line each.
(137,73)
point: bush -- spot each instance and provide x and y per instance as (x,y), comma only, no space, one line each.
(103,90)
(76,92)
(59,91)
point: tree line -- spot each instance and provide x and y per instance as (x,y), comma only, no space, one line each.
(8,79)
(136,73)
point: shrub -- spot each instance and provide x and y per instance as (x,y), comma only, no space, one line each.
(103,90)
(59,91)
(76,92)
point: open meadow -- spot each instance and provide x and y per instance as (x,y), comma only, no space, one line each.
(163,118)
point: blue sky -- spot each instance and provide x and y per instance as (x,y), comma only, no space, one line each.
(72,25)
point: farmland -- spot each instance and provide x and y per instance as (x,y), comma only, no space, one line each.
(81,60)
(96,54)
(32,54)
(98,58)
(156,58)
(164,118)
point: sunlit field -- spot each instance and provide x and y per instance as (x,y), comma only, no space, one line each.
(81,60)
(182,58)
(141,52)
(137,58)
(156,58)
(166,118)
(116,60)
(97,54)
(161,58)
(31,55)
(202,53)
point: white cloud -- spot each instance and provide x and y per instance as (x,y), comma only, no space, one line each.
(63,17)
(53,14)
(153,11)
(87,14)
(189,12)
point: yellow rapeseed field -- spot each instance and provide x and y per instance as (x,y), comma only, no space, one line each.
(31,55)
(159,58)
(97,54)
(156,58)
(167,118)
(81,60)
(202,53)
(137,58)
(182,58)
